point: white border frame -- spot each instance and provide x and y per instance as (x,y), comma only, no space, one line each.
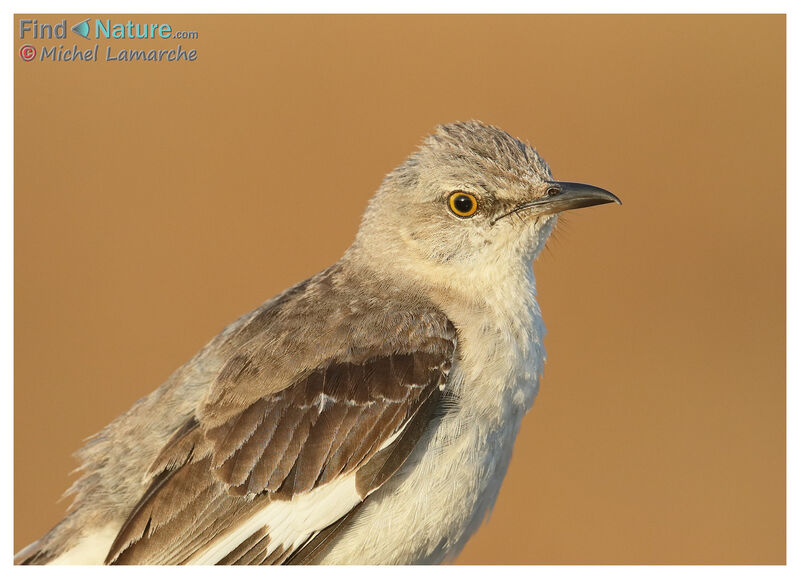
(412,6)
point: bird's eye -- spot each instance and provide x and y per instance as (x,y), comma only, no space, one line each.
(463,204)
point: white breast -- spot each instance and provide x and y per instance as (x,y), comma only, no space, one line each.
(442,494)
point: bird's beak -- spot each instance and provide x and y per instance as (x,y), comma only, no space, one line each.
(563,196)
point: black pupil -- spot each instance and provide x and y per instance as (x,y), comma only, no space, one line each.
(463,204)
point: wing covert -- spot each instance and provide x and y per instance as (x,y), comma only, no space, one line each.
(357,419)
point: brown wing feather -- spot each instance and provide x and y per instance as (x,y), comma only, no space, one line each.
(332,421)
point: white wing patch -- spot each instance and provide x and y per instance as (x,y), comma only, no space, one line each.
(91,549)
(289,523)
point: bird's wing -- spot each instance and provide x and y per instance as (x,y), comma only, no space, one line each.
(275,480)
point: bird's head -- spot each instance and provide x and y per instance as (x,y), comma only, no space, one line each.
(471,201)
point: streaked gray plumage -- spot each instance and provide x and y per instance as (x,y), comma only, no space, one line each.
(365,415)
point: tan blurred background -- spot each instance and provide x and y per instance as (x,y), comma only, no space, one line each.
(142,190)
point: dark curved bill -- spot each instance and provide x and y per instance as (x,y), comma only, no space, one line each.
(564,195)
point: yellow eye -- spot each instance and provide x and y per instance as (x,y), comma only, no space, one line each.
(463,204)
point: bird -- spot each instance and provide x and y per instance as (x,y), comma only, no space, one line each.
(366,415)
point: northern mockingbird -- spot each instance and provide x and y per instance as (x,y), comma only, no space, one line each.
(367,414)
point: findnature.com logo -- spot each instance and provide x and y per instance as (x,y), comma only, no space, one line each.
(103,29)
